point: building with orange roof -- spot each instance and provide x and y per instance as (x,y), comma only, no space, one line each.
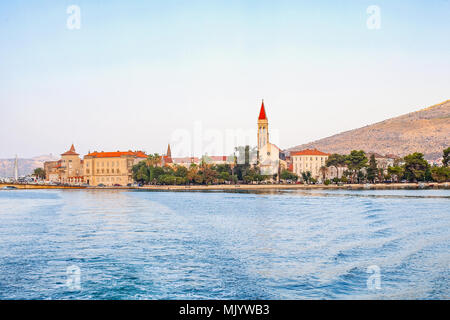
(66,170)
(166,160)
(218,159)
(311,160)
(111,168)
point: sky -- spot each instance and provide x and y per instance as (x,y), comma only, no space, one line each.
(137,75)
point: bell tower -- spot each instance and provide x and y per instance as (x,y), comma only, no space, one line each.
(263,128)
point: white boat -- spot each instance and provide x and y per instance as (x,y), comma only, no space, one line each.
(9,188)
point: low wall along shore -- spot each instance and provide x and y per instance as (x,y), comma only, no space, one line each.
(380,186)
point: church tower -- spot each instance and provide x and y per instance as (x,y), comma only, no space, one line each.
(169,152)
(263,128)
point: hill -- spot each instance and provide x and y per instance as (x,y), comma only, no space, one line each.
(26,166)
(426,131)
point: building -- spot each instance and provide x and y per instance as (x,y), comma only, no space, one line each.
(111,168)
(218,159)
(309,160)
(166,160)
(72,167)
(383,162)
(51,169)
(186,161)
(69,169)
(271,159)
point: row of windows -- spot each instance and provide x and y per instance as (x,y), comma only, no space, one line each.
(106,163)
(305,168)
(299,159)
(88,171)
(105,171)
(110,179)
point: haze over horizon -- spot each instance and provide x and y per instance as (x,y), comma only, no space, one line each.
(137,72)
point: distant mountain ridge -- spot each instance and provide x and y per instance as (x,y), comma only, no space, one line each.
(26,166)
(426,131)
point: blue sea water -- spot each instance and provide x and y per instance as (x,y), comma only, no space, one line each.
(224,245)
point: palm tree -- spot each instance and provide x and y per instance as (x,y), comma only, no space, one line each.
(323,170)
(153,160)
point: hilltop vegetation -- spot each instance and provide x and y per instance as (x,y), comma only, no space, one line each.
(425,131)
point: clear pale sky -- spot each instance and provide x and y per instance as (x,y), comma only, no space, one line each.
(136,71)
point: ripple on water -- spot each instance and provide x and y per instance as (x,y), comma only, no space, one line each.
(217,245)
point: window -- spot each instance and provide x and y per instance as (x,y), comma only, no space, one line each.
(107,170)
(103,170)
(98,170)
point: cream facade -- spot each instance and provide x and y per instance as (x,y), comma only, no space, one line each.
(69,169)
(111,168)
(309,160)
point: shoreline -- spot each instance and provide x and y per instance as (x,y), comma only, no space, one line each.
(227,187)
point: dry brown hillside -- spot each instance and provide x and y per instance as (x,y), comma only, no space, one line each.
(426,131)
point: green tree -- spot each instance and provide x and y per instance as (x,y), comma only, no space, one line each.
(396,172)
(355,161)
(153,159)
(440,174)
(336,160)
(209,175)
(181,172)
(323,170)
(306,176)
(287,175)
(140,172)
(446,157)
(372,169)
(415,167)
(39,173)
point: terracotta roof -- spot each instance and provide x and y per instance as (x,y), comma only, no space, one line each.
(185,160)
(71,152)
(217,158)
(167,159)
(262,112)
(377,155)
(138,154)
(310,152)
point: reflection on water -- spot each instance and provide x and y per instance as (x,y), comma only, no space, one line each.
(221,245)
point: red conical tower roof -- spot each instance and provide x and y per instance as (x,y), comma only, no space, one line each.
(71,152)
(262,112)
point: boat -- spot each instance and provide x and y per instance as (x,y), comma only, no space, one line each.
(9,188)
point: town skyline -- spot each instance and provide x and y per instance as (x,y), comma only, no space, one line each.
(119,82)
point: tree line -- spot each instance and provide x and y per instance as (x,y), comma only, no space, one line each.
(150,171)
(412,168)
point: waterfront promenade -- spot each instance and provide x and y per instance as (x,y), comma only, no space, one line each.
(228,187)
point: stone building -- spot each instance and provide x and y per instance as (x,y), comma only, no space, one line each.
(69,169)
(111,168)
(271,159)
(309,160)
